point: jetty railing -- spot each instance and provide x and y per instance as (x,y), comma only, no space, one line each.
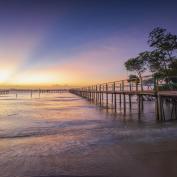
(112,94)
(30,91)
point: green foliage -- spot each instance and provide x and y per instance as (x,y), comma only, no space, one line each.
(162,40)
(157,61)
(169,86)
(148,82)
(162,58)
(136,64)
(173,68)
(161,61)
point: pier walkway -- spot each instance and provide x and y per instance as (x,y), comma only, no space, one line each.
(16,92)
(116,94)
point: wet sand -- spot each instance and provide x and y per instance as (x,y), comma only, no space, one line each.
(82,141)
(140,159)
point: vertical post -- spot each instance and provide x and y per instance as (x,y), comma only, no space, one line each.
(92,93)
(162,108)
(130,101)
(130,86)
(89,93)
(175,108)
(124,103)
(39,93)
(115,100)
(136,86)
(112,95)
(96,94)
(141,83)
(156,87)
(123,89)
(100,94)
(122,85)
(102,89)
(106,95)
(86,93)
(142,102)
(120,96)
(139,106)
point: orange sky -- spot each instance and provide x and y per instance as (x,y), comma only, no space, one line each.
(74,43)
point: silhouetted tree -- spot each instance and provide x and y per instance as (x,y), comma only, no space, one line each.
(137,65)
(161,61)
(163,55)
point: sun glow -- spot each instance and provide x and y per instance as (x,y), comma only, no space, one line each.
(44,77)
(4,74)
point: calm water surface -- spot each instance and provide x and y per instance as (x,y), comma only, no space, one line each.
(62,134)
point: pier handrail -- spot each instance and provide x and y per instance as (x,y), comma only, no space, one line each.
(148,83)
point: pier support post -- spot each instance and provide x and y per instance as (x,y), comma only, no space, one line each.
(100,94)
(115,102)
(106,95)
(115,99)
(112,100)
(120,100)
(139,106)
(124,104)
(31,93)
(130,102)
(157,107)
(96,94)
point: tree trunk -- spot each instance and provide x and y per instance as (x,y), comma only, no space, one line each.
(141,81)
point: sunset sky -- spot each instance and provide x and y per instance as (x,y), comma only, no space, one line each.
(75,42)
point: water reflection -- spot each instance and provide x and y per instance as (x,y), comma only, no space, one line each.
(69,135)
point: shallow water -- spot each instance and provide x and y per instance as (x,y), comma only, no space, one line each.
(63,134)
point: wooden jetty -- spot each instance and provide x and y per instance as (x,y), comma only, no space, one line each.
(31,91)
(119,94)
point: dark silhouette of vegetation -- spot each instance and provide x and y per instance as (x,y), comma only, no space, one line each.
(161,61)
(133,78)
(137,65)
(163,56)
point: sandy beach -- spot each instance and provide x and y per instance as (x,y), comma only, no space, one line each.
(140,159)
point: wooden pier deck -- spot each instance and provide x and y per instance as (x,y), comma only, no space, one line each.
(30,91)
(168,93)
(121,91)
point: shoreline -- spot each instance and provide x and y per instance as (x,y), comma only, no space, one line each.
(137,159)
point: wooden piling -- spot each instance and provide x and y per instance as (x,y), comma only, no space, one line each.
(106,95)
(124,103)
(100,94)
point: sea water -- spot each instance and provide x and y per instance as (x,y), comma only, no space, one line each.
(59,133)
